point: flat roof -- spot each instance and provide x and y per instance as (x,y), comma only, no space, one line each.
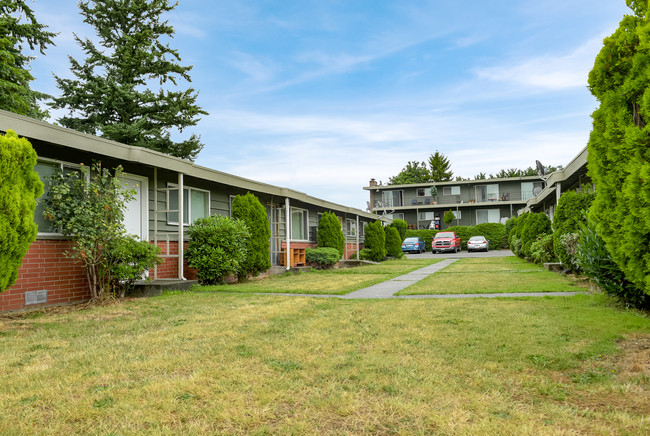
(61,136)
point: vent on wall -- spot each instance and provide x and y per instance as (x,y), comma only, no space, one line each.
(35,297)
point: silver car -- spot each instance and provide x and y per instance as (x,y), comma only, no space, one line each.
(478,243)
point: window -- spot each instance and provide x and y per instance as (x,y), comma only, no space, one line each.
(457,213)
(395,216)
(528,189)
(392,198)
(451,190)
(196,204)
(487,193)
(351,227)
(487,216)
(46,169)
(363,229)
(299,224)
(421,192)
(426,216)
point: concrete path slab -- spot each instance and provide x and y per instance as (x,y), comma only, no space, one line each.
(496,295)
(388,288)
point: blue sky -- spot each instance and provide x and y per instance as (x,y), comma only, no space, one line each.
(320,96)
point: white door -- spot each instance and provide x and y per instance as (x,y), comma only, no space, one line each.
(136,215)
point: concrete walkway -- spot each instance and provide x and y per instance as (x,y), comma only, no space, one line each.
(389,288)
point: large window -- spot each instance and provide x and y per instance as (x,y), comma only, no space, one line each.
(196,204)
(528,189)
(46,169)
(451,190)
(426,216)
(299,223)
(395,216)
(392,198)
(487,216)
(487,193)
(350,227)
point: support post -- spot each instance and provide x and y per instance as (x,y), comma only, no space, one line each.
(357,233)
(288,232)
(181,237)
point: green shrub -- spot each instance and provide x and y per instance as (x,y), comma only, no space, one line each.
(375,241)
(569,243)
(448,217)
(619,145)
(536,224)
(365,254)
(393,242)
(401,227)
(330,233)
(493,232)
(595,261)
(541,250)
(249,209)
(426,235)
(128,260)
(217,248)
(323,257)
(509,225)
(19,189)
(88,208)
(570,212)
(515,246)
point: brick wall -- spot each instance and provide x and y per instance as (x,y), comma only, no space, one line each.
(44,267)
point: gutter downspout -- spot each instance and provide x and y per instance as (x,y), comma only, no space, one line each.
(288,232)
(181,248)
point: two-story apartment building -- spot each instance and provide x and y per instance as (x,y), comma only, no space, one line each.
(472,201)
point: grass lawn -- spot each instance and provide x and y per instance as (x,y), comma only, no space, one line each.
(492,275)
(328,282)
(205,363)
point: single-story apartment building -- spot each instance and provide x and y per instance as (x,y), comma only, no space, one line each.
(162,184)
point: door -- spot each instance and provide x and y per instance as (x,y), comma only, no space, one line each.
(136,214)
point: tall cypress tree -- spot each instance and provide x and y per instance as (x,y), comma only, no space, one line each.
(440,167)
(19,29)
(110,94)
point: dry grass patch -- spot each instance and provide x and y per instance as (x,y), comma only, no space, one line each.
(199,363)
(493,275)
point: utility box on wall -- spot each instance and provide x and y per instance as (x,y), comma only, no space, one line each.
(36,297)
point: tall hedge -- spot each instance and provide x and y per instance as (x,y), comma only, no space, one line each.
(619,145)
(536,225)
(401,227)
(493,232)
(375,241)
(570,212)
(393,242)
(330,233)
(19,189)
(248,209)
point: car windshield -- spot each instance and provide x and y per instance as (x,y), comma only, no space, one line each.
(411,240)
(445,235)
(477,239)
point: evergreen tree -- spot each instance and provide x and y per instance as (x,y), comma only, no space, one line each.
(439,167)
(248,209)
(375,241)
(330,233)
(393,242)
(19,29)
(110,93)
(619,145)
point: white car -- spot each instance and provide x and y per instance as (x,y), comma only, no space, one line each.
(478,243)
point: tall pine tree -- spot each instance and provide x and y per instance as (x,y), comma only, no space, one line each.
(440,167)
(110,94)
(19,29)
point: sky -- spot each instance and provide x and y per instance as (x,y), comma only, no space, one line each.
(320,96)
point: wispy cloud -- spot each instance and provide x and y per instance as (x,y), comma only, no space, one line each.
(547,72)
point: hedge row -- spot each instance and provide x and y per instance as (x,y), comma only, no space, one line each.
(493,232)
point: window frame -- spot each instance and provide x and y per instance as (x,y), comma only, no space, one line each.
(305,224)
(350,227)
(450,190)
(423,194)
(174,186)
(488,215)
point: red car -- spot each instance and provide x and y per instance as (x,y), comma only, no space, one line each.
(445,241)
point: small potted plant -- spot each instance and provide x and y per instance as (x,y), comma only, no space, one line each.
(433,190)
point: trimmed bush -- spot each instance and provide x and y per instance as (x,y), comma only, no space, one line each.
(129,259)
(596,262)
(401,227)
(570,212)
(541,250)
(217,248)
(375,241)
(365,254)
(330,233)
(248,209)
(569,243)
(448,217)
(19,189)
(393,243)
(535,225)
(493,232)
(323,257)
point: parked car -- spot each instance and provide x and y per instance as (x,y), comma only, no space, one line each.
(445,241)
(413,244)
(478,243)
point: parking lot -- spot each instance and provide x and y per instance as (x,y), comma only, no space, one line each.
(463,254)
